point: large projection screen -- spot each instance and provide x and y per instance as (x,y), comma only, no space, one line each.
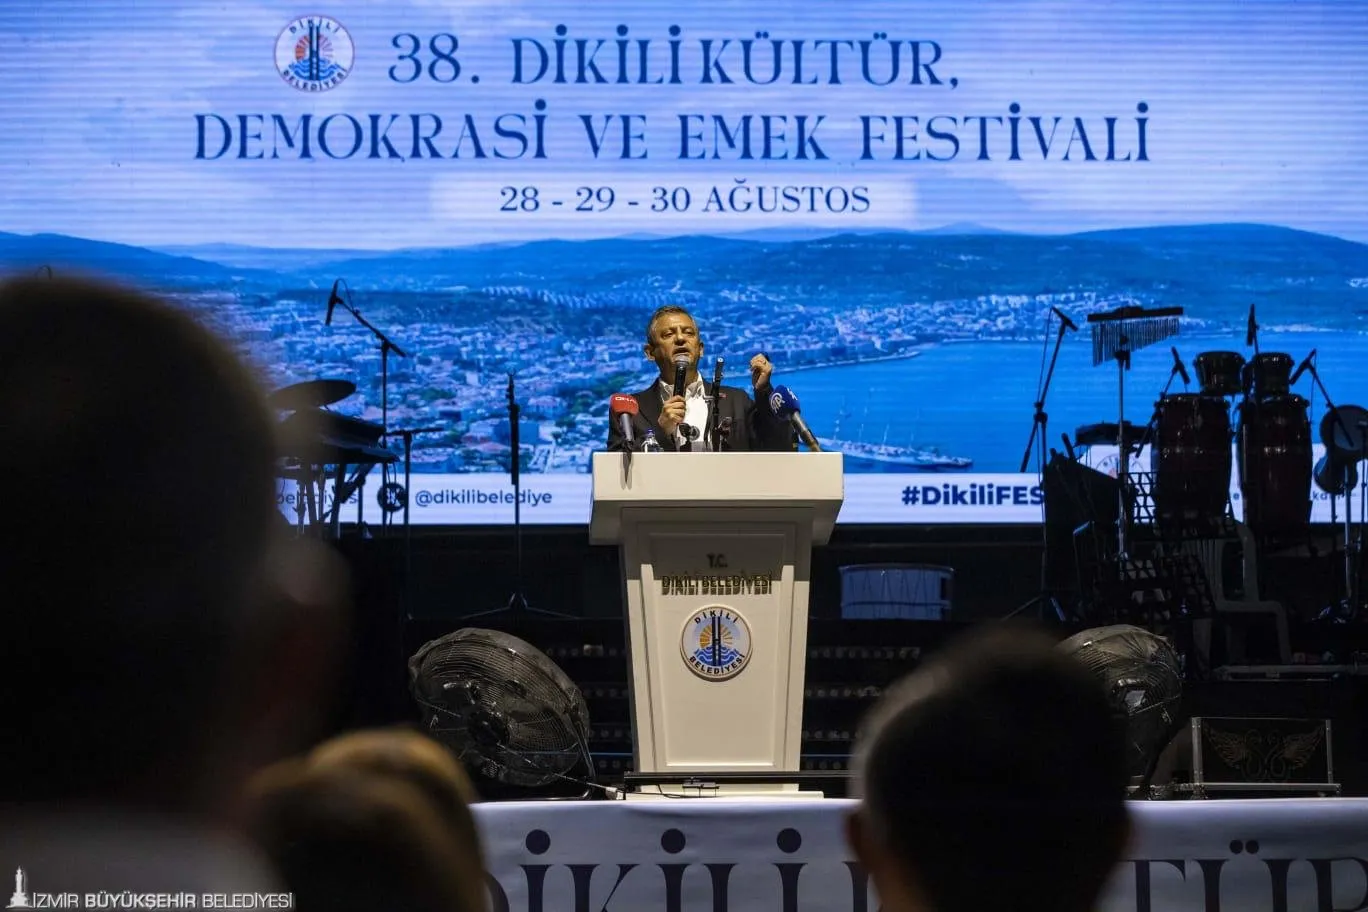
(889,199)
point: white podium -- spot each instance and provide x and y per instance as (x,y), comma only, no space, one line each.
(716,555)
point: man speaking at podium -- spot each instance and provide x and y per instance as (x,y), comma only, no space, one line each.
(680,421)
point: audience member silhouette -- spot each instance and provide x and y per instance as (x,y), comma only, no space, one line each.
(993,777)
(373,820)
(162,640)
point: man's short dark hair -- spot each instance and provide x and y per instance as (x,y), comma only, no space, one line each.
(663,311)
(138,458)
(996,775)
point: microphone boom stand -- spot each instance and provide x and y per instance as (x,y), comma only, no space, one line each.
(1041,420)
(1039,425)
(386,346)
(517,603)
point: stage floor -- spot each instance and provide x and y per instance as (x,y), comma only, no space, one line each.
(707,854)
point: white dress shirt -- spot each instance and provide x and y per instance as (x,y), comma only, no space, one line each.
(695,413)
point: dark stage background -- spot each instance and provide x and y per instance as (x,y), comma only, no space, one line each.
(457,573)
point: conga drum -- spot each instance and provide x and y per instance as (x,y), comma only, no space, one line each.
(1275,465)
(1218,373)
(1191,461)
(1268,375)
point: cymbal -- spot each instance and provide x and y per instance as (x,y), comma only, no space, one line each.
(310,394)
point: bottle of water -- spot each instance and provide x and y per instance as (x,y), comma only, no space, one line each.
(649,444)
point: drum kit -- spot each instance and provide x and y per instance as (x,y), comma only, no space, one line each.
(318,443)
(1116,528)
(1192,459)
(1246,420)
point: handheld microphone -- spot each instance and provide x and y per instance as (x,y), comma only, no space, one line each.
(785,405)
(623,407)
(1064,318)
(333,301)
(681,375)
(1301,368)
(1178,366)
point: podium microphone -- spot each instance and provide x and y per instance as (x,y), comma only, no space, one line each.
(785,405)
(623,407)
(333,301)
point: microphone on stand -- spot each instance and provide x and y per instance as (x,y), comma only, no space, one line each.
(785,405)
(715,409)
(1064,318)
(623,407)
(1251,328)
(1178,366)
(333,301)
(724,428)
(1302,368)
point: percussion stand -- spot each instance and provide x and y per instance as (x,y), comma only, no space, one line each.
(1355,600)
(1123,363)
(1351,587)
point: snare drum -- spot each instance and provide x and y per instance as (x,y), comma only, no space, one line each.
(1219,373)
(1191,461)
(918,591)
(1275,464)
(1268,374)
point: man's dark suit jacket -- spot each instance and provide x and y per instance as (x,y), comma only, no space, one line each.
(753,427)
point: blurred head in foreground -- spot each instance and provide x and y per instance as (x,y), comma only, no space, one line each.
(991,778)
(162,642)
(376,819)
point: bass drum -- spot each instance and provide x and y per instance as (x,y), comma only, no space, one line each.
(1275,465)
(1191,462)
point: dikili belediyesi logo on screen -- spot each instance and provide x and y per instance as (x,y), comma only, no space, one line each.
(314,53)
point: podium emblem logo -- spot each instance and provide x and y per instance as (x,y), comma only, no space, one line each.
(716,643)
